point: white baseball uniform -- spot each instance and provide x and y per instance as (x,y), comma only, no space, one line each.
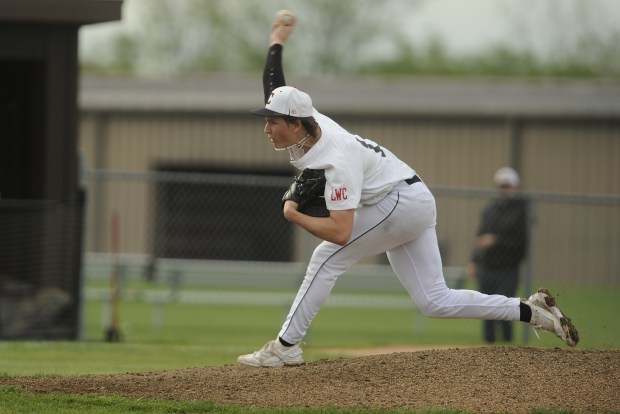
(391,216)
(394,213)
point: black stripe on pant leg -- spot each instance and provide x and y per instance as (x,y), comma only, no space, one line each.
(336,252)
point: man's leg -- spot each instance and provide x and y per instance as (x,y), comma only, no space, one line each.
(418,267)
(373,233)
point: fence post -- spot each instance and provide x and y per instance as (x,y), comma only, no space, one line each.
(529,255)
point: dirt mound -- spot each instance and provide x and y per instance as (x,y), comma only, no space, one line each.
(489,379)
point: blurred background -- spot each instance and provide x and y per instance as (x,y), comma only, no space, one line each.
(155,186)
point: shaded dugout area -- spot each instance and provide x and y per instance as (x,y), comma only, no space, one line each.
(41,200)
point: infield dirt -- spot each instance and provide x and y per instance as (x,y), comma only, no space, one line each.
(483,380)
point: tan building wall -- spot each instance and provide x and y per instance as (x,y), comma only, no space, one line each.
(554,153)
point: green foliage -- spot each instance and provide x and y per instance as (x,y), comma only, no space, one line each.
(197,37)
(500,61)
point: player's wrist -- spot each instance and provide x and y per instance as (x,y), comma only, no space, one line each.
(290,209)
(277,38)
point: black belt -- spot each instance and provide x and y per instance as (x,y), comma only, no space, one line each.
(413,180)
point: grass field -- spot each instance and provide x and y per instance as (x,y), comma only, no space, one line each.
(177,335)
(15,401)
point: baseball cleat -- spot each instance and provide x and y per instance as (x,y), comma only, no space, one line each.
(282,26)
(547,315)
(272,355)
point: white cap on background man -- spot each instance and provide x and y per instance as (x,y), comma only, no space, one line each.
(506,176)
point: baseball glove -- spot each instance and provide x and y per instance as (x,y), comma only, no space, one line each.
(308,190)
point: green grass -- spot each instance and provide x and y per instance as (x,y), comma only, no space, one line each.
(178,335)
(14,401)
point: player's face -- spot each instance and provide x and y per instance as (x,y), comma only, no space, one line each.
(507,189)
(281,133)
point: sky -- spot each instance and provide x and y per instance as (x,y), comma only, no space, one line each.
(465,25)
(471,25)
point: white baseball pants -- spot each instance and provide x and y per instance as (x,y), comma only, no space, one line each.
(403,225)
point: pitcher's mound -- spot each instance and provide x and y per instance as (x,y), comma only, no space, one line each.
(488,379)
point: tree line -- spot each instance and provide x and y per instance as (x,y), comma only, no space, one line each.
(350,37)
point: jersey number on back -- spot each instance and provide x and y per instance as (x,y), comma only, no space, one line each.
(375,148)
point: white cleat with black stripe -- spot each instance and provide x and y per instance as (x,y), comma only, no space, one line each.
(272,355)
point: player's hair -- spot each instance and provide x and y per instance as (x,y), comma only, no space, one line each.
(308,123)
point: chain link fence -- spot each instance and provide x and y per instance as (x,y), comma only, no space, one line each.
(225,234)
(40,269)
(185,220)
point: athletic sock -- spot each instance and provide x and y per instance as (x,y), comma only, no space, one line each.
(526,312)
(283,342)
